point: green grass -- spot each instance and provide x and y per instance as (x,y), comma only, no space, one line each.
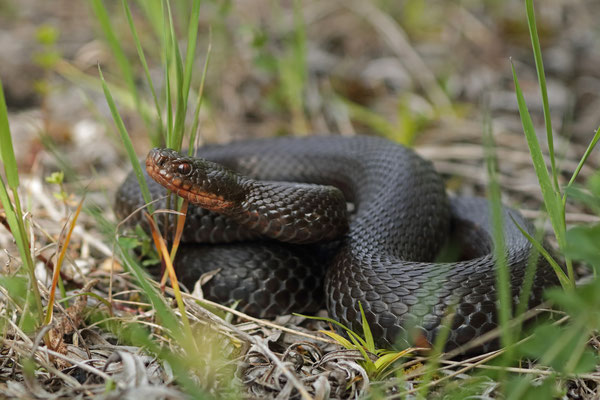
(123,62)
(502,272)
(563,348)
(142,57)
(375,361)
(554,198)
(16,220)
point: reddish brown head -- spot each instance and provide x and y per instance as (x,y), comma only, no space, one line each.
(201,182)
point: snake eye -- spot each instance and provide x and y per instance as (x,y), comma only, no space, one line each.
(184,168)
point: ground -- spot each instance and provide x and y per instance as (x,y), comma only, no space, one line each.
(424,74)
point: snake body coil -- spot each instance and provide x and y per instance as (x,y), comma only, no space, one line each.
(382,258)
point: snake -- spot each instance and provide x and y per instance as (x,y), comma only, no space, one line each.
(358,225)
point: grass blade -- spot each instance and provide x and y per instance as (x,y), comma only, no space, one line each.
(530,271)
(142,57)
(194,130)
(326,319)
(6,146)
(167,55)
(14,213)
(338,338)
(539,66)
(370,342)
(383,362)
(355,337)
(117,50)
(552,199)
(22,243)
(358,344)
(564,279)
(163,311)
(180,105)
(587,153)
(164,254)
(501,267)
(79,78)
(191,48)
(59,262)
(437,350)
(137,168)
(339,324)
(179,229)
(154,13)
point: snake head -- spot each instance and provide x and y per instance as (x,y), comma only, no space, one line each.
(201,182)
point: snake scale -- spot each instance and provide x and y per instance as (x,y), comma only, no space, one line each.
(380,253)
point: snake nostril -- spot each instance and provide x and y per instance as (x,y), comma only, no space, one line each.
(159,159)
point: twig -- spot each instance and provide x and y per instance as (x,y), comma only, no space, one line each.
(255,320)
(297,384)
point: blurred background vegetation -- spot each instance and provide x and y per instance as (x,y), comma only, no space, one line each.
(401,69)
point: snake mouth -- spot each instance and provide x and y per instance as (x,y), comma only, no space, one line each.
(162,166)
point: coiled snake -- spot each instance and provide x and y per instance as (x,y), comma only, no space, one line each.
(380,254)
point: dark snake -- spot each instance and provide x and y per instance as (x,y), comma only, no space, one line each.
(381,254)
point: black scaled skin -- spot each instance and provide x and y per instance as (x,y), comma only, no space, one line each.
(402,218)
